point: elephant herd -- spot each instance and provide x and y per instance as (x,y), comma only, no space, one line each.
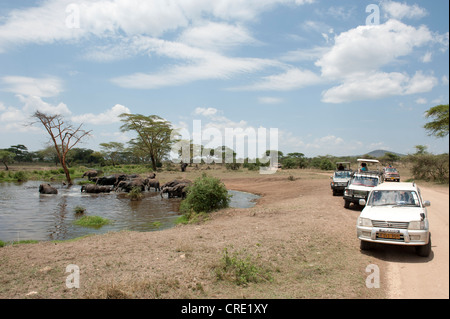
(126,183)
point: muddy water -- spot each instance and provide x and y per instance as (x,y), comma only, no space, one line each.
(26,214)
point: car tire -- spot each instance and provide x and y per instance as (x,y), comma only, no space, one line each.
(365,245)
(425,250)
(347,204)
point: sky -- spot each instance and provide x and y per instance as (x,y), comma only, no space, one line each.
(327,77)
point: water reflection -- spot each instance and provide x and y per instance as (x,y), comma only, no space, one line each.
(26,214)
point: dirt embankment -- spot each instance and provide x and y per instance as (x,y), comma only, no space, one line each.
(298,233)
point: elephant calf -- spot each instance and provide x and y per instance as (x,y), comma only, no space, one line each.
(152,183)
(47,189)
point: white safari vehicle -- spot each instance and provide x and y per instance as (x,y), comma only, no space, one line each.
(395,214)
(341,177)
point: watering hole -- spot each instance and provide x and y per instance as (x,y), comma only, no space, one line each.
(27,215)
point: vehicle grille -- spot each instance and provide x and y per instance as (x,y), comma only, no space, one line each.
(396,225)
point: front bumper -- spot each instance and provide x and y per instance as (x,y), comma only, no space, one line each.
(338,187)
(355,198)
(406,236)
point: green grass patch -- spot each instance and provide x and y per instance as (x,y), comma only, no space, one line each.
(92,221)
(19,242)
(241,269)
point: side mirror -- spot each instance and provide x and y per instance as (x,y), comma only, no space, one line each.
(362,202)
(426,203)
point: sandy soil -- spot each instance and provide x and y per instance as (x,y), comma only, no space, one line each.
(298,232)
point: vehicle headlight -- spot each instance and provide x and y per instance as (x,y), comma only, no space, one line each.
(417,225)
(364,222)
(348,192)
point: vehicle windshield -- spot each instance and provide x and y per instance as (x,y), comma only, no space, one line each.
(365,181)
(343,174)
(394,198)
(391,170)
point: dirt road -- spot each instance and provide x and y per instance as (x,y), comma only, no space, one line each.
(413,277)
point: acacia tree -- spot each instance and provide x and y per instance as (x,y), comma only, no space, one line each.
(6,157)
(154,134)
(113,151)
(439,126)
(63,135)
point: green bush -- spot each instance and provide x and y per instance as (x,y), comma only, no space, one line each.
(20,176)
(135,193)
(205,195)
(92,221)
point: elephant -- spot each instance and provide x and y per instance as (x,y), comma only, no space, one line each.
(183,167)
(128,185)
(176,188)
(152,183)
(113,180)
(47,189)
(105,180)
(95,189)
(91,174)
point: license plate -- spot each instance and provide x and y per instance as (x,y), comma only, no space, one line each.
(389,236)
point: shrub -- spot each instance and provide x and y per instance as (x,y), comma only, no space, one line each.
(135,193)
(79,210)
(241,269)
(20,176)
(205,195)
(92,221)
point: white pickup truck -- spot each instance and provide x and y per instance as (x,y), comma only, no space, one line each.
(395,214)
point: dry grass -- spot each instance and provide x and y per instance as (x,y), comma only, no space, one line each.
(298,233)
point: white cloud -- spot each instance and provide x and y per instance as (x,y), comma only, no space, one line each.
(108,18)
(270,100)
(421,101)
(216,36)
(293,78)
(367,48)
(379,85)
(427,57)
(108,117)
(205,111)
(35,103)
(399,10)
(358,56)
(41,87)
(305,54)
(196,64)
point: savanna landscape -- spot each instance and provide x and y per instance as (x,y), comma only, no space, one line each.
(297,242)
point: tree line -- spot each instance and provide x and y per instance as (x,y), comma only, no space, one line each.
(155,138)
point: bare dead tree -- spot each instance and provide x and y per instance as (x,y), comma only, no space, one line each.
(63,135)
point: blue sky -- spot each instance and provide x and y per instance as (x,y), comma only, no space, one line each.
(328,78)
